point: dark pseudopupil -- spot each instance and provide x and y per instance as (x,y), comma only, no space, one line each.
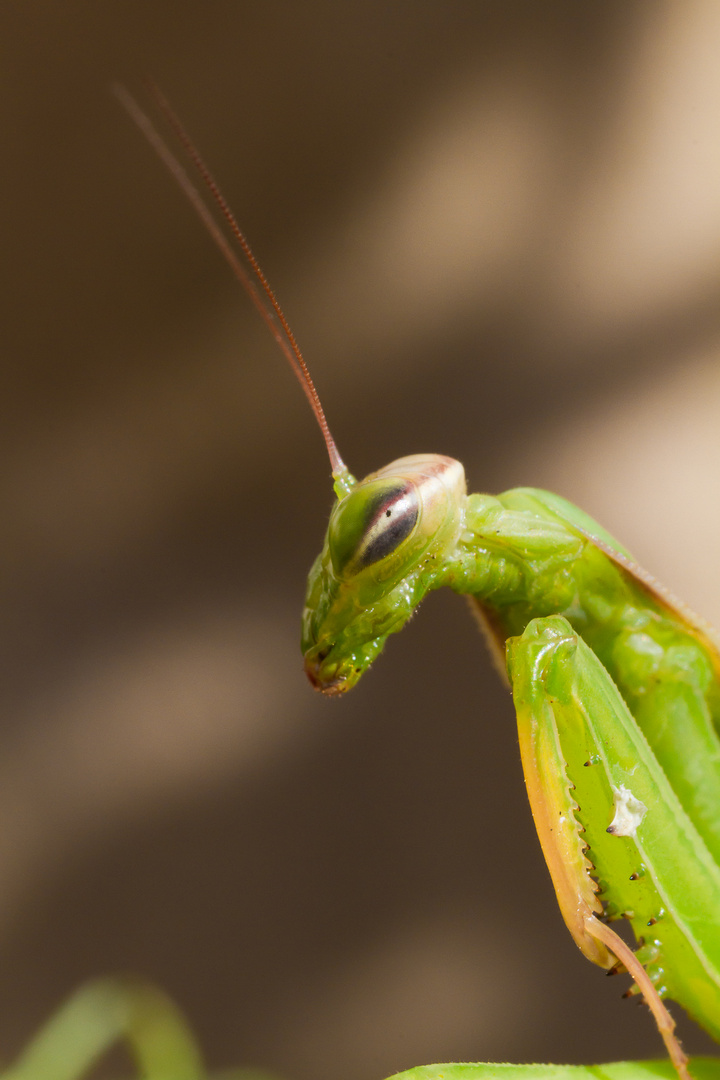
(391,520)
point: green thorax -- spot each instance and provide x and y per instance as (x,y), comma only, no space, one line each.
(529,553)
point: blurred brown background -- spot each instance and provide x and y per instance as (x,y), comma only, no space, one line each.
(495,228)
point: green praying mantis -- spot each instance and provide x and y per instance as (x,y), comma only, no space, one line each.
(616,684)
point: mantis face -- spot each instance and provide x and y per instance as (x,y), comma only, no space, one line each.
(386,540)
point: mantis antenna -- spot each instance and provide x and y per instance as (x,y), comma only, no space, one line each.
(265,300)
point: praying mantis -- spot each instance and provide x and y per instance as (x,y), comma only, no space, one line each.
(616,685)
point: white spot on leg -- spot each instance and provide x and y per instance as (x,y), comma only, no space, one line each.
(629,812)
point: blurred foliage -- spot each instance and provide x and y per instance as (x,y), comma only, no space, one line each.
(109,1011)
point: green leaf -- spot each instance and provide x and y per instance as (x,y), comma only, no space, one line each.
(700,1068)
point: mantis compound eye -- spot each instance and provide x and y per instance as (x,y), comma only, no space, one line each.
(370,523)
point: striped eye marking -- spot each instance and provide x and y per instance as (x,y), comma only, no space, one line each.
(371,522)
(392,521)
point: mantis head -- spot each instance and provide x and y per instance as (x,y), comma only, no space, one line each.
(388,534)
(384,548)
